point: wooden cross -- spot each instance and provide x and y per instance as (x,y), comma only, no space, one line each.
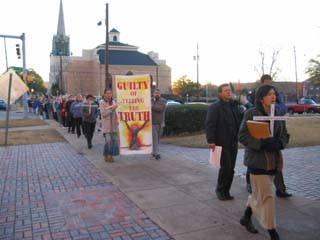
(271,118)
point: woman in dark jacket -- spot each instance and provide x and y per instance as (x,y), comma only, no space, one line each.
(263,158)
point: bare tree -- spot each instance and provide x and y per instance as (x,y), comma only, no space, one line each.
(262,68)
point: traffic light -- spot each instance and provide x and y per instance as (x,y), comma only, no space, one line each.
(18,51)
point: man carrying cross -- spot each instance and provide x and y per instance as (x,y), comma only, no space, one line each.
(281,108)
(264,160)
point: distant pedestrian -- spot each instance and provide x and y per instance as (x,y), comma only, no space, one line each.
(158,108)
(69,115)
(62,107)
(89,116)
(222,125)
(76,109)
(109,123)
(263,158)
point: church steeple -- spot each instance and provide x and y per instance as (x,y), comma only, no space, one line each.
(60,42)
(61,30)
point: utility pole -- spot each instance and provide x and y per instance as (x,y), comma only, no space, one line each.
(106,53)
(23,39)
(295,66)
(5,50)
(197,59)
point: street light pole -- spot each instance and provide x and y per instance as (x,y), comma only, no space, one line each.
(197,59)
(106,54)
(295,65)
(25,105)
(23,39)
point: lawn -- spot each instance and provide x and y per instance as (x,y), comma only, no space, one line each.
(28,137)
(28,122)
(303,132)
(31,137)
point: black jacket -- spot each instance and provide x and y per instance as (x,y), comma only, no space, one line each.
(222,123)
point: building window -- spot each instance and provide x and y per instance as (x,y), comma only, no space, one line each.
(115,39)
(129,73)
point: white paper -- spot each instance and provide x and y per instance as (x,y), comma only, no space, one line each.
(215,156)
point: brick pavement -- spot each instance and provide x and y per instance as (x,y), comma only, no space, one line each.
(48,191)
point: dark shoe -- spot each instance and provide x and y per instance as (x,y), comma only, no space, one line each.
(246,222)
(89,146)
(221,196)
(273,234)
(283,194)
(228,196)
(157,157)
(249,189)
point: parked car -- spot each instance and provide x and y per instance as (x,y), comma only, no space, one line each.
(304,105)
(172,102)
(3,105)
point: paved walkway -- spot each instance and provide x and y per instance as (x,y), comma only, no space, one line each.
(66,191)
(49,191)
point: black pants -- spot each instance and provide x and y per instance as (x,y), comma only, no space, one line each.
(70,123)
(89,130)
(226,171)
(278,181)
(78,124)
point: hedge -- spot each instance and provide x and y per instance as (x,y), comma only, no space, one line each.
(185,118)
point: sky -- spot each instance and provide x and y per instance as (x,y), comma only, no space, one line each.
(230,33)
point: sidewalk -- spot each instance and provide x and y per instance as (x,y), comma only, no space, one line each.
(178,194)
(66,191)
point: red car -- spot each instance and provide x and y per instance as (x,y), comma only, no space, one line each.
(304,105)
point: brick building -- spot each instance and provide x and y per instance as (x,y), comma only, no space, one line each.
(86,74)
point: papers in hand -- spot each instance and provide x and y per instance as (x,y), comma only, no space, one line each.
(258,129)
(215,156)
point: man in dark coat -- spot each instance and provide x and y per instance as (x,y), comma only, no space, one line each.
(222,125)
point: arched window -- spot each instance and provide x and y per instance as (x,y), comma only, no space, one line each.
(115,39)
(129,73)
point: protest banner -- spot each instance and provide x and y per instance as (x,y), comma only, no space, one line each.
(133,95)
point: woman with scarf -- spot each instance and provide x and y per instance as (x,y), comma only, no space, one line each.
(263,158)
(109,124)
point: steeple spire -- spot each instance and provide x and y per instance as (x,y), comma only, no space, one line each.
(60,42)
(61,29)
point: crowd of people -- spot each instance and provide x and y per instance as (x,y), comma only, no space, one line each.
(79,115)
(226,126)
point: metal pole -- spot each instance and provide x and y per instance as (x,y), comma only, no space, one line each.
(25,106)
(295,65)
(61,83)
(8,111)
(5,50)
(198,92)
(106,54)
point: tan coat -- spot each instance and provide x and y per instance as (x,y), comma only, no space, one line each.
(109,119)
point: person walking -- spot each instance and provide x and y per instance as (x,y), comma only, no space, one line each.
(222,125)
(158,108)
(76,109)
(89,115)
(281,189)
(62,107)
(69,115)
(263,159)
(109,122)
